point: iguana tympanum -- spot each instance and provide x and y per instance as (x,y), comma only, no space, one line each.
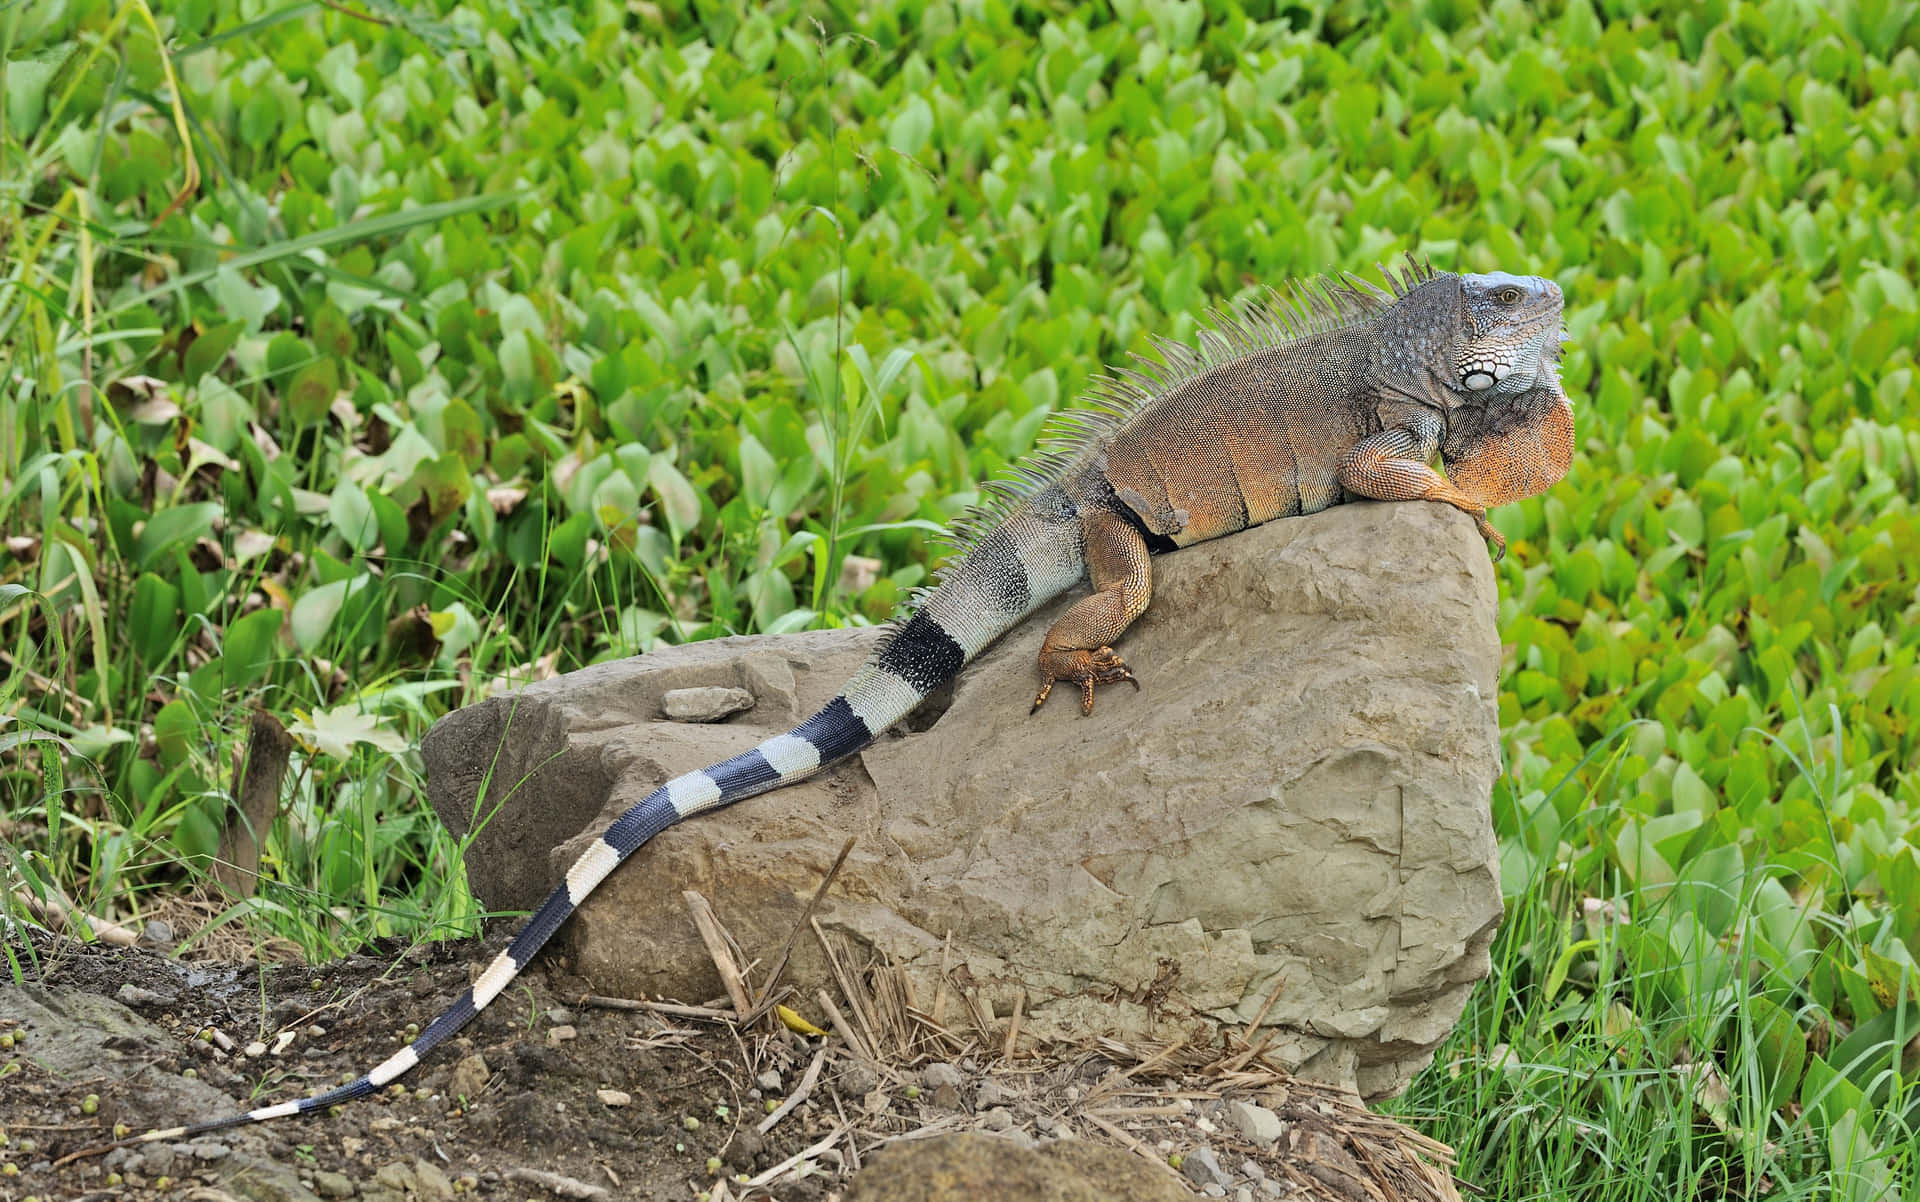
(1293,404)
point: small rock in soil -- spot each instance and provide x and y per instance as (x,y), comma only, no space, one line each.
(937,1074)
(1213,1191)
(1203,1168)
(1256,1123)
(133,995)
(946,1097)
(991,1093)
(156,932)
(559,1016)
(769,1080)
(561,1034)
(469,1077)
(332,1185)
(613,1097)
(997,1119)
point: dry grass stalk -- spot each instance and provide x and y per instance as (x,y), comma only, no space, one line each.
(799,1094)
(726,955)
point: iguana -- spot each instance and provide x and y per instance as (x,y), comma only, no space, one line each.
(1292,404)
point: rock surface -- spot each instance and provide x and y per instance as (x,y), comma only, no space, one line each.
(969,1168)
(1293,807)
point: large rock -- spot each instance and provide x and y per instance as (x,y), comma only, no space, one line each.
(1294,804)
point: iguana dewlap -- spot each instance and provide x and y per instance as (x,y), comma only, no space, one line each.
(1290,406)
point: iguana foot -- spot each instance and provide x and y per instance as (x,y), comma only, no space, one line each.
(1085,668)
(1495,540)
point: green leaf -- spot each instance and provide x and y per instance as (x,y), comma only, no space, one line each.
(310,392)
(183,523)
(677,499)
(315,611)
(175,728)
(154,621)
(351,514)
(209,349)
(250,648)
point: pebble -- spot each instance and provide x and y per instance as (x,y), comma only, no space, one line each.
(1202,1168)
(613,1097)
(561,1034)
(133,995)
(937,1074)
(469,1077)
(1243,1194)
(997,1119)
(157,931)
(559,1016)
(946,1097)
(256,1049)
(858,1080)
(1251,1168)
(706,704)
(1271,1188)
(991,1093)
(332,1185)
(1257,1123)
(207,1149)
(769,1080)
(1213,1190)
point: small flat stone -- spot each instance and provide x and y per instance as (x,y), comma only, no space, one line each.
(613,1097)
(708,704)
(939,1073)
(561,1034)
(1202,1167)
(1256,1123)
(769,1080)
(133,995)
(332,1185)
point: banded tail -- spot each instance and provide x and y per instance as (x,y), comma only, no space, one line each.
(1031,553)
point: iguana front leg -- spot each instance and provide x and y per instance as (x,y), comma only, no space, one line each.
(1393,465)
(1078,646)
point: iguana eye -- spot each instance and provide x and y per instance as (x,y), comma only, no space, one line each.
(1509,295)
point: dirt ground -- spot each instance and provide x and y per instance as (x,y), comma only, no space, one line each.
(553,1093)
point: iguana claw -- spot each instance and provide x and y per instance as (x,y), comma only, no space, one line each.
(1087,668)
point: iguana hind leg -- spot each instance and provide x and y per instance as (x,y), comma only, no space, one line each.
(1078,646)
(1392,466)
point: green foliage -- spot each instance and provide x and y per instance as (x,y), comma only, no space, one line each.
(360,367)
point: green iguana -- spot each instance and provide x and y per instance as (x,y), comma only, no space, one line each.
(1293,404)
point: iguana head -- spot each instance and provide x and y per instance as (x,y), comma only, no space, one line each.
(1512,334)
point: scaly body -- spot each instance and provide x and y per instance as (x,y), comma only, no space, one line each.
(1290,406)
